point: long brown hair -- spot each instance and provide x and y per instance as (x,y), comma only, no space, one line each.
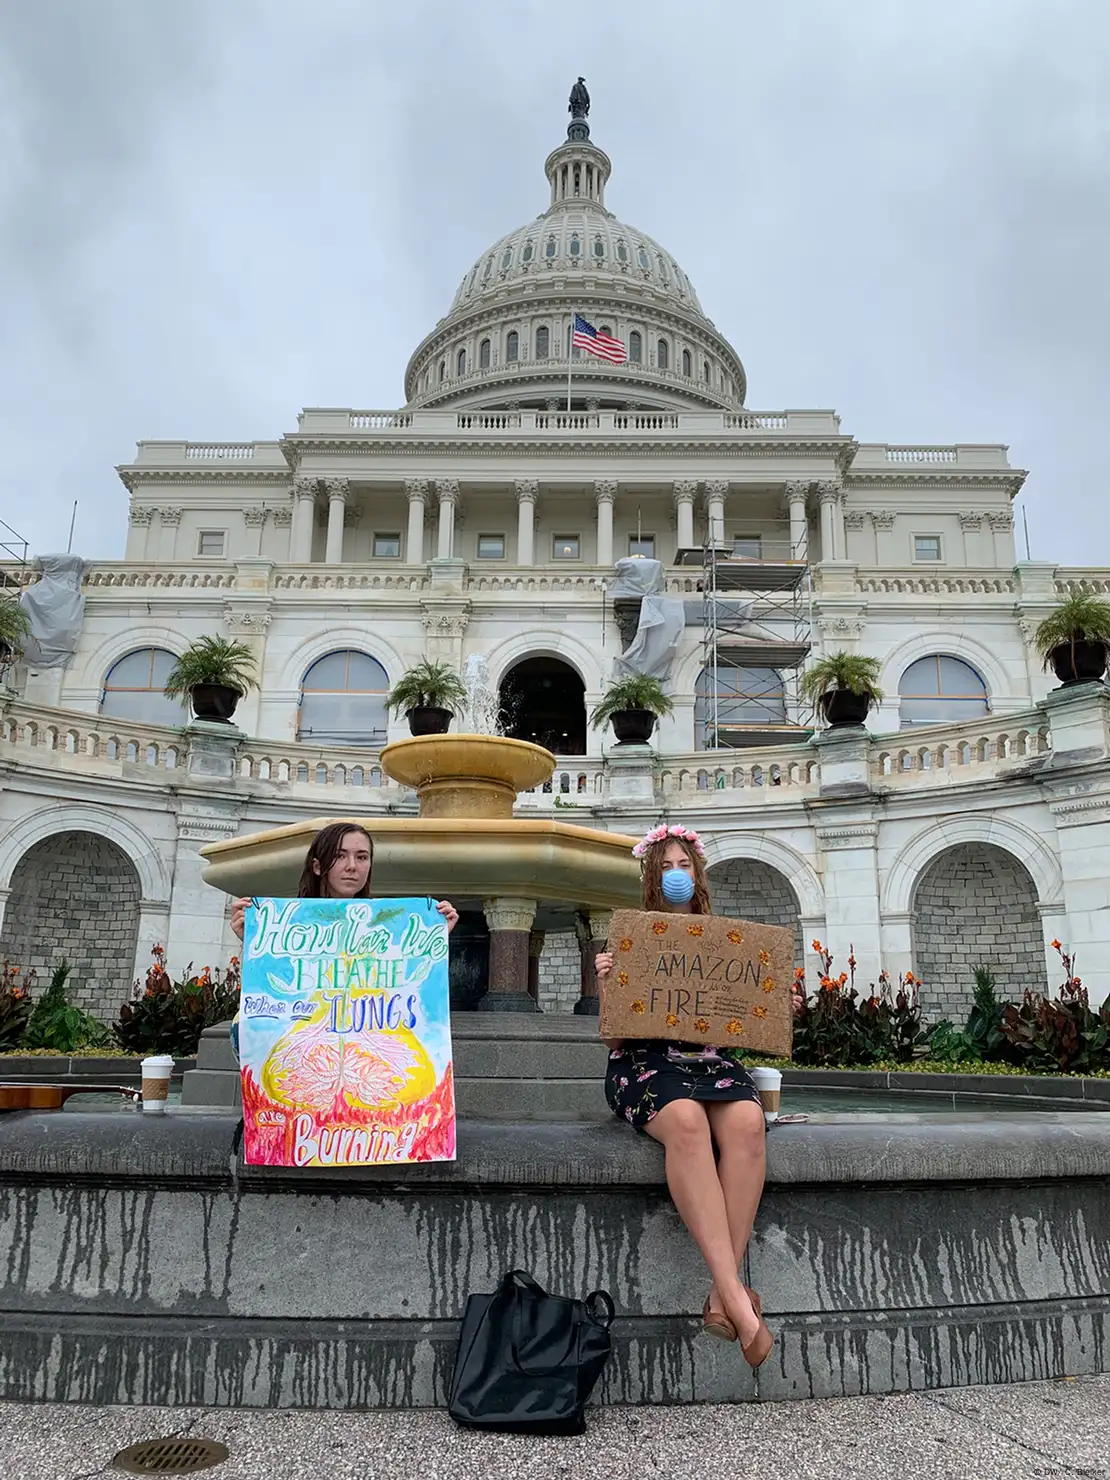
(324,850)
(652,867)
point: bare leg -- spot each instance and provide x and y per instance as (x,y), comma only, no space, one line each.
(738,1130)
(683,1129)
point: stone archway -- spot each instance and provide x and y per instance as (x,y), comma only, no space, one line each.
(544,700)
(975,905)
(748,889)
(76,895)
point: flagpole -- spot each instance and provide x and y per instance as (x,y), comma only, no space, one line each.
(570,355)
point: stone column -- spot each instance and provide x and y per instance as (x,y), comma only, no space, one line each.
(167,544)
(510,927)
(882,522)
(605,491)
(416,490)
(849,869)
(536,940)
(448,492)
(685,491)
(971,525)
(592,929)
(832,521)
(304,511)
(526,490)
(255,518)
(138,534)
(338,490)
(716,490)
(198,914)
(154,930)
(795,497)
(1001,522)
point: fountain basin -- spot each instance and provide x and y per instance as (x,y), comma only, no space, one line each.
(563,867)
(467,775)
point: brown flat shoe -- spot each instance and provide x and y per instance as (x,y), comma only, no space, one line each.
(757,1304)
(714,1323)
(759,1348)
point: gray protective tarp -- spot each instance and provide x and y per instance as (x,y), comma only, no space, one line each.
(55,608)
(651,652)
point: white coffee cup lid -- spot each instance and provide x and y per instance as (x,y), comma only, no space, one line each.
(159,1061)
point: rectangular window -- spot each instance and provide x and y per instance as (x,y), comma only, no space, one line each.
(567,547)
(211,542)
(387,547)
(926,547)
(642,544)
(747,547)
(491,547)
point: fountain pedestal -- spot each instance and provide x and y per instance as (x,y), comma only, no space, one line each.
(510,932)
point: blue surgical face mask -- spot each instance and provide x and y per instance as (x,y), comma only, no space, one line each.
(678,886)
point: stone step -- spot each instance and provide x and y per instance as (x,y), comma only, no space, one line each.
(527,1100)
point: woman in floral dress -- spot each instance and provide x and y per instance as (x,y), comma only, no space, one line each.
(690,1100)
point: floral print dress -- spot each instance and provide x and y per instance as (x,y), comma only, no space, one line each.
(645,1075)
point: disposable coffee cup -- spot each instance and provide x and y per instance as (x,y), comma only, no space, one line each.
(769,1084)
(156,1083)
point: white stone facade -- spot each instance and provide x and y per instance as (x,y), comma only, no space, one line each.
(485,517)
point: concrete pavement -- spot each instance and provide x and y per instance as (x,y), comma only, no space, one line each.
(1027,1432)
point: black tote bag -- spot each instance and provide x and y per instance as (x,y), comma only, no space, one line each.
(528,1361)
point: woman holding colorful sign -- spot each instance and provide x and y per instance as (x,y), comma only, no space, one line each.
(338,865)
(690,1098)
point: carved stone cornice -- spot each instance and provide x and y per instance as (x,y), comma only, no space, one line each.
(255,516)
(840,625)
(970,521)
(795,491)
(830,492)
(882,519)
(338,490)
(851,835)
(716,488)
(509,914)
(445,621)
(416,490)
(247,621)
(527,490)
(140,514)
(304,488)
(447,490)
(605,490)
(352,516)
(855,519)
(685,490)
(170,518)
(283,517)
(1000,519)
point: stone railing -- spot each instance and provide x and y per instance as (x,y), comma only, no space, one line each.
(322,422)
(1097,582)
(947,754)
(934,583)
(378,577)
(63,737)
(219,451)
(758,773)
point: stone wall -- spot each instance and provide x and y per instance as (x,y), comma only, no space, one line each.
(76,895)
(975,905)
(560,972)
(747,890)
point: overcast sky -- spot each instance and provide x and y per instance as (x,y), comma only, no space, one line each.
(215,212)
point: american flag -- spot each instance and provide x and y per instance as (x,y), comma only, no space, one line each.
(586,337)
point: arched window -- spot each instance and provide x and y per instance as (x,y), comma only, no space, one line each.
(575,245)
(343,700)
(442,371)
(529,251)
(643,259)
(635,347)
(745,699)
(687,364)
(550,248)
(460,362)
(488,268)
(133,689)
(705,371)
(939,689)
(483,355)
(506,259)
(622,252)
(599,247)
(661,354)
(512,346)
(543,342)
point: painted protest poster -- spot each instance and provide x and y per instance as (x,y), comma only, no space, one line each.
(345,1033)
(699,979)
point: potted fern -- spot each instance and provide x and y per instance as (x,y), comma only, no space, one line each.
(14,627)
(632,704)
(1074,639)
(844,686)
(215,673)
(430,695)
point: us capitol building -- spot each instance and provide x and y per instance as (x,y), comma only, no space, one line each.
(970,825)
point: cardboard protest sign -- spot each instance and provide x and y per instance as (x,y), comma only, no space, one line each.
(699,979)
(345,1033)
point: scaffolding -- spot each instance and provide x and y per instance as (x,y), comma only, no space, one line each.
(13,557)
(756,613)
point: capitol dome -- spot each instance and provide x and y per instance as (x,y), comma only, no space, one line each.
(506,338)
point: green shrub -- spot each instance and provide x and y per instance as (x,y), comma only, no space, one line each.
(981,1040)
(56,1024)
(165,1016)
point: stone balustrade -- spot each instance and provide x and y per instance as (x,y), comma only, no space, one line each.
(924,758)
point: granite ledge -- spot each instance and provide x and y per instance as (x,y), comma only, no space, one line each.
(201,1149)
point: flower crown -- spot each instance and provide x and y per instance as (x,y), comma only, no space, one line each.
(661,833)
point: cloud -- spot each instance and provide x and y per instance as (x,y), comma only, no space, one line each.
(217,211)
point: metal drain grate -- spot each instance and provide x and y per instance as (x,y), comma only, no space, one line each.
(170,1456)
